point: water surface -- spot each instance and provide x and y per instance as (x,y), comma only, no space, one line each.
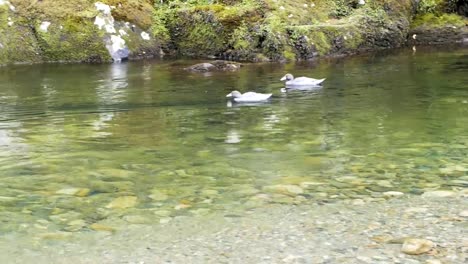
(143,142)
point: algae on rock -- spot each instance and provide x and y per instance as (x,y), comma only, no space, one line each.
(60,30)
(227,29)
(433,25)
(276,30)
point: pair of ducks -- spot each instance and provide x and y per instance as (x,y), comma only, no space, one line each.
(291,82)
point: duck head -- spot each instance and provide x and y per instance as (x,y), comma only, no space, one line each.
(234,94)
(287,77)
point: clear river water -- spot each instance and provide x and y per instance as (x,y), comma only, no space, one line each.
(97,147)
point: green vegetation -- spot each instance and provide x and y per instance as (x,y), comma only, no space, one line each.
(432,14)
(76,40)
(233,29)
(435,21)
(71,34)
(298,29)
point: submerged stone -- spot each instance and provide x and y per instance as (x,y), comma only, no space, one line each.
(439,194)
(393,194)
(101,227)
(55,236)
(157,195)
(215,66)
(123,202)
(137,219)
(291,190)
(80,192)
(416,246)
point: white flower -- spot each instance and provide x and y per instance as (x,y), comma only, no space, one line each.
(44,26)
(145,36)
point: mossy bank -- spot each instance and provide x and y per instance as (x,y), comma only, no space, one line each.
(75,31)
(253,30)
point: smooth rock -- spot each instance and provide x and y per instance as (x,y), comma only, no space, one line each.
(157,195)
(182,206)
(201,67)
(137,219)
(80,192)
(77,222)
(65,217)
(393,194)
(463,213)
(165,220)
(75,225)
(201,211)
(210,193)
(219,65)
(310,184)
(55,236)
(162,213)
(413,210)
(123,202)
(416,246)
(291,190)
(101,227)
(438,194)
(7,199)
(384,183)
(358,202)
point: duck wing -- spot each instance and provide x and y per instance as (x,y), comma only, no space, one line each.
(304,81)
(252,97)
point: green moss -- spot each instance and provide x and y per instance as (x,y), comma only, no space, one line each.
(74,40)
(435,21)
(3,17)
(159,29)
(260,57)
(241,38)
(430,6)
(18,43)
(353,40)
(188,27)
(321,41)
(139,12)
(318,38)
(197,34)
(289,55)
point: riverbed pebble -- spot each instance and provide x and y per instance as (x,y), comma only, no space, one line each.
(416,246)
(404,229)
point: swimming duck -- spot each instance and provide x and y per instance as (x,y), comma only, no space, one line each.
(248,97)
(300,81)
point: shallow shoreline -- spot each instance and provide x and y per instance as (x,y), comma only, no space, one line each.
(342,232)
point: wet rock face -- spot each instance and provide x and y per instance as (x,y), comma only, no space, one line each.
(434,36)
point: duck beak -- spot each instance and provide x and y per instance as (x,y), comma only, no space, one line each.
(283,79)
(229,95)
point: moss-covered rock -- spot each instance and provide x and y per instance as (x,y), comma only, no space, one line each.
(17,42)
(432,25)
(138,12)
(72,39)
(66,30)
(278,30)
